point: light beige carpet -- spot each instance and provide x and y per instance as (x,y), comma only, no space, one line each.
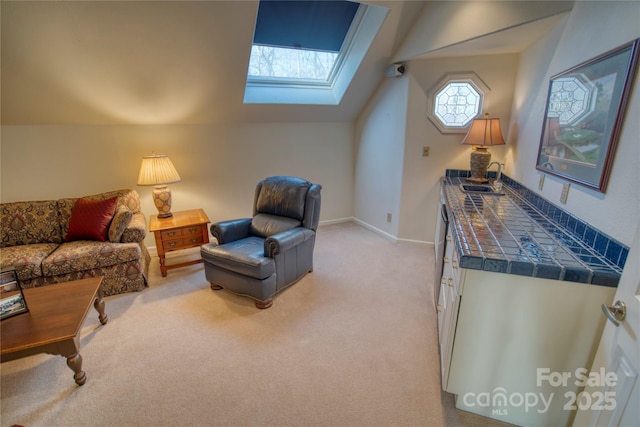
(352,344)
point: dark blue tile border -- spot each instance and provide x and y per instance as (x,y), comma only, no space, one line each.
(602,257)
(583,231)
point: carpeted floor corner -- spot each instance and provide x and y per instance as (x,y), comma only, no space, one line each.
(352,344)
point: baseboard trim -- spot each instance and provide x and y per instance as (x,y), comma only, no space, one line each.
(390,236)
(153,252)
(337,221)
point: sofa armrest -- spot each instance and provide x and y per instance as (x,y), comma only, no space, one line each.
(136,231)
(230,231)
(286,240)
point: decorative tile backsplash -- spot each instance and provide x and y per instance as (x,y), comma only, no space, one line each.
(523,233)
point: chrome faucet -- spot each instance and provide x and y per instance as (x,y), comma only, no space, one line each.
(500,166)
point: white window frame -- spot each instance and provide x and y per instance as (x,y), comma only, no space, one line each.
(270,90)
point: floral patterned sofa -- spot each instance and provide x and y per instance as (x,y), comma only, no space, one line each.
(32,241)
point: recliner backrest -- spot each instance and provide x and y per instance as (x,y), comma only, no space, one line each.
(282,196)
(287,196)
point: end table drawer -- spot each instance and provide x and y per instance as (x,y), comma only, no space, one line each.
(192,231)
(181,232)
(181,243)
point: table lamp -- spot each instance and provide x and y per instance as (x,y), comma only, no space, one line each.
(483,133)
(157,170)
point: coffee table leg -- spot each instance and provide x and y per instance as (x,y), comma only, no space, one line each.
(99,304)
(75,363)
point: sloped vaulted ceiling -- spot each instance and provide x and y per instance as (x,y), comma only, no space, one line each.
(185,62)
(154,62)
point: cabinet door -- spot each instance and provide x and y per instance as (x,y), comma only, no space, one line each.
(449,304)
(448,336)
(442,307)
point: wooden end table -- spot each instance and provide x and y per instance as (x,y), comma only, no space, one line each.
(52,324)
(183,230)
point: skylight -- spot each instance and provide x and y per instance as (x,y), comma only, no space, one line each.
(307,52)
(280,62)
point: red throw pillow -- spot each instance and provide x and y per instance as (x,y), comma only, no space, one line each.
(90,219)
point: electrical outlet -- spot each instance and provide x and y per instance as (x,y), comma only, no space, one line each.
(425,151)
(565,193)
(541,182)
(388,216)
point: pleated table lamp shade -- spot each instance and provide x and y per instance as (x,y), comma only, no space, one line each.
(158,170)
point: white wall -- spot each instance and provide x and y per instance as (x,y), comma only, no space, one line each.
(591,29)
(380,141)
(421,174)
(391,175)
(518,95)
(219,164)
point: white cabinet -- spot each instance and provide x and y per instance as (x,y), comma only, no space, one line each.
(496,332)
(448,302)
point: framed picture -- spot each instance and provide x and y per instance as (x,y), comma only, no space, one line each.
(583,117)
(12,299)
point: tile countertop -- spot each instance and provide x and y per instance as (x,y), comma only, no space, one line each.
(521,233)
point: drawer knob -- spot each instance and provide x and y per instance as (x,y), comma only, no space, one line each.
(171,233)
(173,243)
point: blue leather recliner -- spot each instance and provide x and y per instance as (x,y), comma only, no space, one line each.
(260,256)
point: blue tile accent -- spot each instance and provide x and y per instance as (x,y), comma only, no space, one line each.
(623,257)
(590,236)
(577,275)
(524,234)
(580,229)
(473,262)
(521,268)
(613,251)
(495,265)
(605,278)
(601,243)
(548,271)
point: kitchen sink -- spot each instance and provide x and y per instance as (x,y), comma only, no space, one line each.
(480,189)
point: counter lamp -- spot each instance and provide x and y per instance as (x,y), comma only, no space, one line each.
(482,133)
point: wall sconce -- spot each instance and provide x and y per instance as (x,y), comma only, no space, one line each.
(482,133)
(157,170)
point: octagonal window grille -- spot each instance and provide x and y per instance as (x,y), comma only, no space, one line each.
(457,104)
(455,101)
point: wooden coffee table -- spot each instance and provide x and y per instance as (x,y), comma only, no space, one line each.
(52,325)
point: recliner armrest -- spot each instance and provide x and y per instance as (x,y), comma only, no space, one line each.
(230,231)
(287,239)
